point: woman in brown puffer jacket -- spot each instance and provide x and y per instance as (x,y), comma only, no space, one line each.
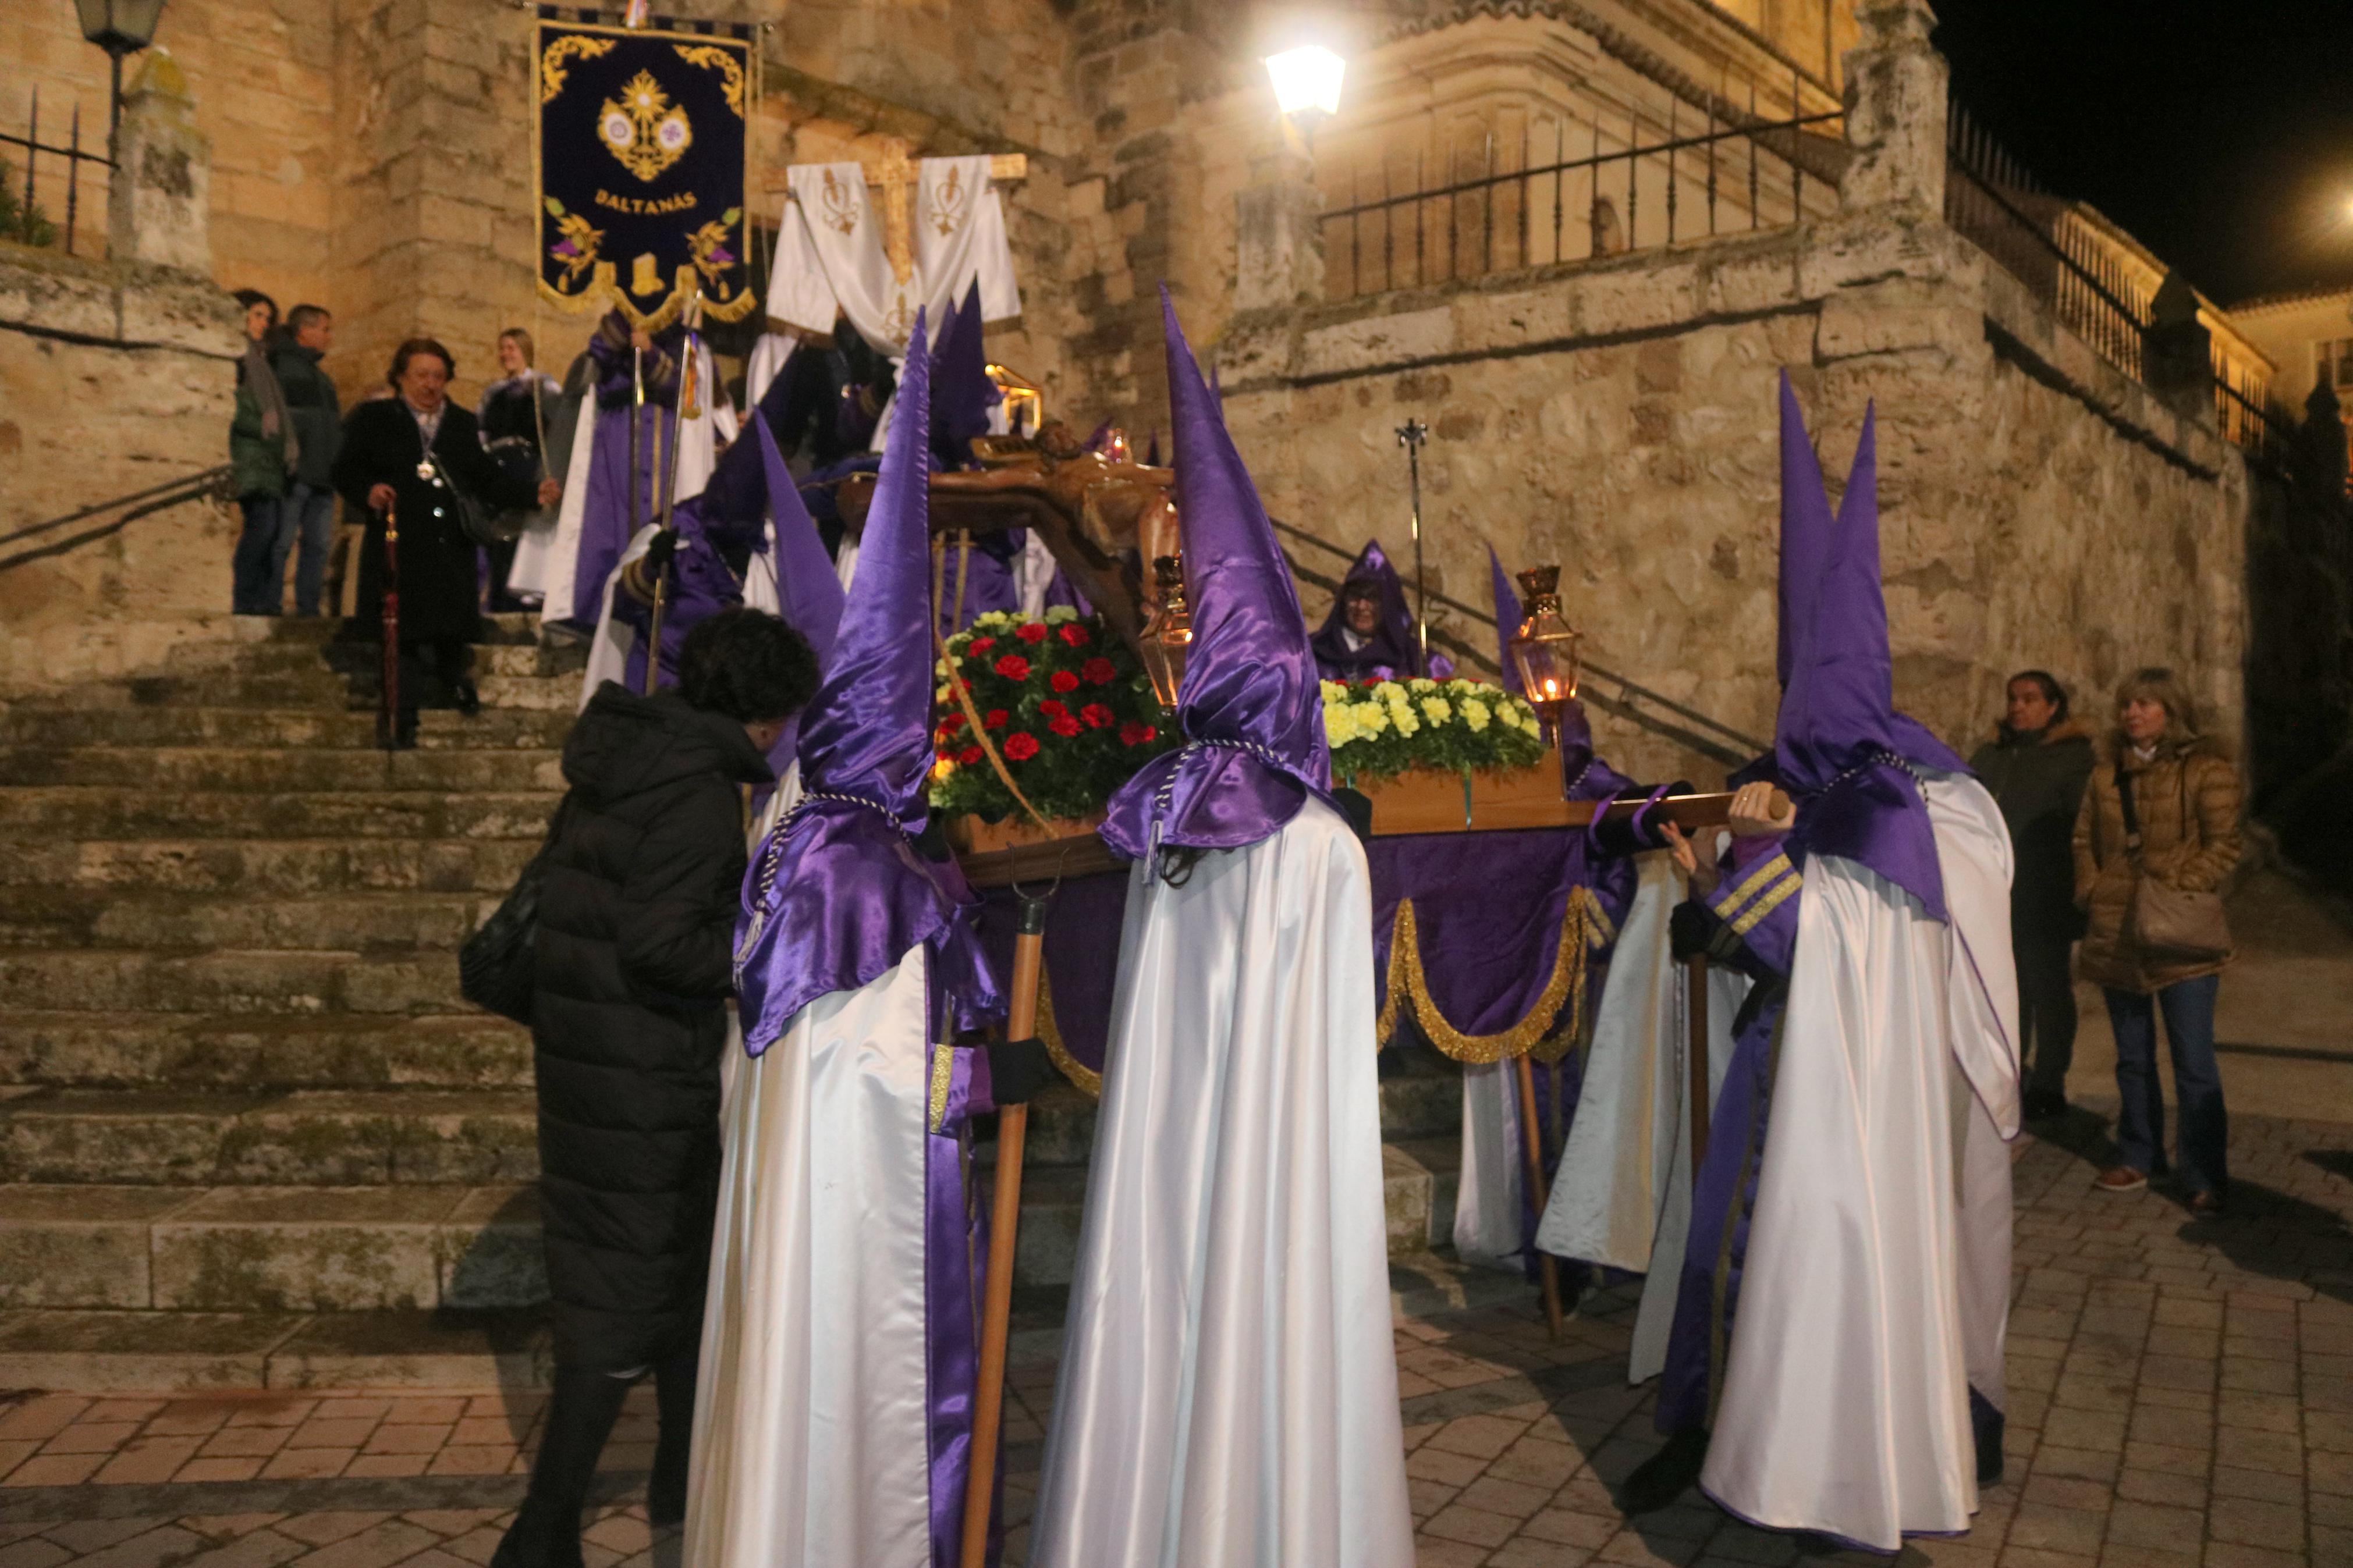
(2186,795)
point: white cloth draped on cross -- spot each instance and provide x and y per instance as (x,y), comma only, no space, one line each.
(938,227)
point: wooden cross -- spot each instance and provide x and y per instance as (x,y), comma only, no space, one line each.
(895,176)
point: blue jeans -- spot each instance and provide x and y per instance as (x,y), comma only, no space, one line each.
(2188,1008)
(310,524)
(259,567)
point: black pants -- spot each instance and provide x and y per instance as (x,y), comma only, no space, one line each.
(432,668)
(501,560)
(2046,1009)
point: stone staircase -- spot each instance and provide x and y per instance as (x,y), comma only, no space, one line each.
(249,1134)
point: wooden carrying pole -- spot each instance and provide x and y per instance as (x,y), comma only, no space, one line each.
(1532,1141)
(1004,1225)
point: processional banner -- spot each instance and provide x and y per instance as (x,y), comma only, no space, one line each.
(639,184)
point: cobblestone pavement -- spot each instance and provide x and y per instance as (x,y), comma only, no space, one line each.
(2181,1394)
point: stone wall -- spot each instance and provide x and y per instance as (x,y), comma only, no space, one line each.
(1619,417)
(112,379)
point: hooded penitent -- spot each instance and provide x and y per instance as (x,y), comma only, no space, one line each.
(963,400)
(849,895)
(1251,707)
(1391,652)
(1854,1179)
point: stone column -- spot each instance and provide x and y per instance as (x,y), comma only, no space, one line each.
(1278,240)
(2177,352)
(158,199)
(1895,85)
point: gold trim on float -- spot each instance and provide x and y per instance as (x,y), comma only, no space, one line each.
(1565,989)
(942,1079)
(1049,1034)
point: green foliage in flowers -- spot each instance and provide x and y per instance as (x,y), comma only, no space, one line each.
(1381,728)
(1067,704)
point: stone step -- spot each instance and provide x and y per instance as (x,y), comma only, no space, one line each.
(65,724)
(72,915)
(257,1052)
(99,812)
(561,662)
(333,1138)
(513,627)
(102,1350)
(112,980)
(262,867)
(178,768)
(270,1249)
(530,692)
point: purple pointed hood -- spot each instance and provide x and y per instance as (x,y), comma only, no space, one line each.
(1251,707)
(965,398)
(808,593)
(1839,744)
(1507,619)
(838,895)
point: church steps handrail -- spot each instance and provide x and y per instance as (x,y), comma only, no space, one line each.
(209,483)
(1633,701)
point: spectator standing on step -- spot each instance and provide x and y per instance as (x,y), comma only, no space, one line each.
(262,447)
(636,962)
(515,415)
(410,455)
(2036,765)
(309,525)
(2181,789)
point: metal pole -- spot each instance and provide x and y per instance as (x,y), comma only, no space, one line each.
(1411,435)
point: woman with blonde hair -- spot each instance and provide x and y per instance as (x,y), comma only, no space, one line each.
(2160,819)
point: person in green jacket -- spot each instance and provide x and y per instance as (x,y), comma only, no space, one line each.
(262,446)
(2036,767)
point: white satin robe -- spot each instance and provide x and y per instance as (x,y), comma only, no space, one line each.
(1877,1272)
(811,1444)
(1228,1397)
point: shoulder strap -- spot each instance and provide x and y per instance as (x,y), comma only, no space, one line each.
(2124,799)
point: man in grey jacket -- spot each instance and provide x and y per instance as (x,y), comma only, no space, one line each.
(318,418)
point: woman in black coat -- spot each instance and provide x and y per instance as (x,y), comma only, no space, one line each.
(636,961)
(383,467)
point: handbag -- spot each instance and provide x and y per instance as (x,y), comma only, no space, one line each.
(478,523)
(497,967)
(2166,921)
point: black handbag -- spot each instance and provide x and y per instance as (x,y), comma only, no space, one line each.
(497,968)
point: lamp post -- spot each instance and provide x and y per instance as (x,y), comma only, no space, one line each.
(120,27)
(1306,85)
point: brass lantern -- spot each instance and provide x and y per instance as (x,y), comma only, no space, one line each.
(1167,634)
(1543,649)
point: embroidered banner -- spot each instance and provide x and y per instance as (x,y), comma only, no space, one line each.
(641,168)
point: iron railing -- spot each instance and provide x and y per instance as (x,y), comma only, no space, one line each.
(208,484)
(2246,417)
(1604,688)
(22,216)
(1736,172)
(1992,198)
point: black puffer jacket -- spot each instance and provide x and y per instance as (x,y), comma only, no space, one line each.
(636,926)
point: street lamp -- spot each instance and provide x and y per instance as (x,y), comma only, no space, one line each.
(1543,649)
(120,27)
(1307,85)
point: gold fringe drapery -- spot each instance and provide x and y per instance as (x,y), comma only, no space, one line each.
(1584,929)
(1049,1034)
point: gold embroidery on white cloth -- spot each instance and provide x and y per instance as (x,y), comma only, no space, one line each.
(843,207)
(951,203)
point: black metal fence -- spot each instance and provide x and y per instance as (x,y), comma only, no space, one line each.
(1605,189)
(34,173)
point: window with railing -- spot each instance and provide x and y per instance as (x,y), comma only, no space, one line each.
(1546,184)
(53,191)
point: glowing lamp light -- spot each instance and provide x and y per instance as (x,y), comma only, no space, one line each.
(1543,649)
(1307,80)
(1167,636)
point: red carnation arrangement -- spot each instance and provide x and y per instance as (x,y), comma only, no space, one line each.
(1067,756)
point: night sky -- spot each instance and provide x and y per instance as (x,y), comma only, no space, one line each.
(2220,133)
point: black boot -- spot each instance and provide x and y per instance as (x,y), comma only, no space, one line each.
(674,1394)
(1986,1424)
(580,1416)
(1665,1475)
(468,700)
